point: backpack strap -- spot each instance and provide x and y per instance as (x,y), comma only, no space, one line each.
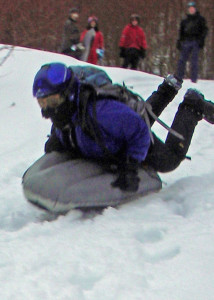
(89,124)
(148,110)
(144,110)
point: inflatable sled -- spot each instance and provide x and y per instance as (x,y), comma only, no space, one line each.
(59,184)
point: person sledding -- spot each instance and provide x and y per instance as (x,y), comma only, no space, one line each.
(102,128)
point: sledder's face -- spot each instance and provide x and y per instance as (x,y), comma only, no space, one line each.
(52,101)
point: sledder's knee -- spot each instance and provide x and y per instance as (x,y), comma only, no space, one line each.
(165,166)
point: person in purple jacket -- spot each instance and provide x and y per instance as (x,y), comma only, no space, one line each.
(106,130)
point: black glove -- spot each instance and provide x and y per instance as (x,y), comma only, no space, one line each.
(122,52)
(127,179)
(142,52)
(53,144)
(178,45)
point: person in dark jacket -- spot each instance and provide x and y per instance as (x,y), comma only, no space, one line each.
(109,131)
(132,43)
(192,33)
(71,35)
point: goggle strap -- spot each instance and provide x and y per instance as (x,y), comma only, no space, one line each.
(66,92)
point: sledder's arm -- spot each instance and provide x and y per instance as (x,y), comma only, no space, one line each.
(128,130)
(53,144)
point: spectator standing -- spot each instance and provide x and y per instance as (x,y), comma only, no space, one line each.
(71,35)
(133,43)
(192,33)
(93,41)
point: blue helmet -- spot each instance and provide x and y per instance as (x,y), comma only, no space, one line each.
(51,79)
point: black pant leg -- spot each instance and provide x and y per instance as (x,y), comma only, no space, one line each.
(126,62)
(184,123)
(161,157)
(135,57)
(131,58)
(160,99)
(165,157)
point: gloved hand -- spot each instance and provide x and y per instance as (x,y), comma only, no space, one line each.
(80,47)
(127,179)
(142,52)
(100,53)
(77,47)
(122,52)
(74,47)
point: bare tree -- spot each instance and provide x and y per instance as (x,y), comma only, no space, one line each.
(39,24)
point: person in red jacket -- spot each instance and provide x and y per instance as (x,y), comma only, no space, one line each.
(133,43)
(93,41)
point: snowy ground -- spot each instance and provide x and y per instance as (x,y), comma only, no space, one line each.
(160,247)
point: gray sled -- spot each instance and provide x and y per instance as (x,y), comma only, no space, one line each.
(59,184)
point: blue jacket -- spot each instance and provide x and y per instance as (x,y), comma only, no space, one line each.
(121,128)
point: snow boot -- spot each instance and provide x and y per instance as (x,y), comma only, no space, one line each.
(195,100)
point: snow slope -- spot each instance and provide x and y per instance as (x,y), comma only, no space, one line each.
(160,247)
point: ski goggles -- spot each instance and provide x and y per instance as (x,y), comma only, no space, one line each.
(51,79)
(52,101)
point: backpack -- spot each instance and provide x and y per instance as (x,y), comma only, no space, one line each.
(98,80)
(104,88)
